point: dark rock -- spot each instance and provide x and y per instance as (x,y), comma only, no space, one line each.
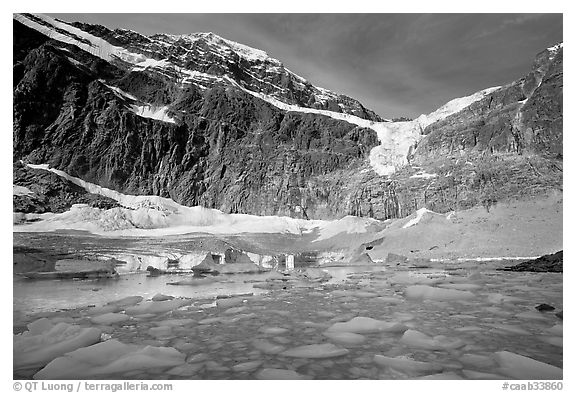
(153,272)
(235,256)
(207,266)
(544,307)
(547,263)
(560,314)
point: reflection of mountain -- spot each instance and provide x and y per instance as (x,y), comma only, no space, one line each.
(210,122)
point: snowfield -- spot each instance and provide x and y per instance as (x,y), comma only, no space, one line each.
(151,215)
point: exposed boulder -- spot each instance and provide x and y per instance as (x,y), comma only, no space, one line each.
(236,256)
(547,263)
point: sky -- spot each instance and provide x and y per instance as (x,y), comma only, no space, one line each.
(395,64)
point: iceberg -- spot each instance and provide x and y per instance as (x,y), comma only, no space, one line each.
(45,341)
(110,358)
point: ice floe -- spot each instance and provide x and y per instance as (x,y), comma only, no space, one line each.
(345,338)
(110,358)
(366,325)
(425,292)
(278,374)
(158,307)
(247,366)
(109,319)
(315,351)
(521,367)
(408,365)
(416,339)
(45,341)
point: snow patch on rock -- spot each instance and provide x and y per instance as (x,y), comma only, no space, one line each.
(153,112)
(21,191)
(419,214)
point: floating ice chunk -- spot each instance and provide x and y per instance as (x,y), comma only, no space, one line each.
(345,338)
(522,367)
(110,358)
(160,331)
(497,298)
(197,357)
(209,321)
(45,341)
(273,330)
(158,307)
(478,361)
(408,365)
(109,318)
(101,310)
(534,315)
(469,329)
(231,302)
(425,292)
(553,340)
(556,330)
(511,329)
(416,339)
(472,374)
(413,278)
(160,297)
(447,375)
(185,370)
(366,325)
(235,310)
(363,294)
(174,322)
(127,301)
(267,347)
(277,373)
(247,366)
(315,351)
(461,286)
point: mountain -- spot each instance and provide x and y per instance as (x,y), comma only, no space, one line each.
(207,121)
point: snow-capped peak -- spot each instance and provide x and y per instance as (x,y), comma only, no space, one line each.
(453,106)
(556,47)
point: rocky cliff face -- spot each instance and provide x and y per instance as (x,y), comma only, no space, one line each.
(524,117)
(204,121)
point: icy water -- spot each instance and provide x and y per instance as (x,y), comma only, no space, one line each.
(267,334)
